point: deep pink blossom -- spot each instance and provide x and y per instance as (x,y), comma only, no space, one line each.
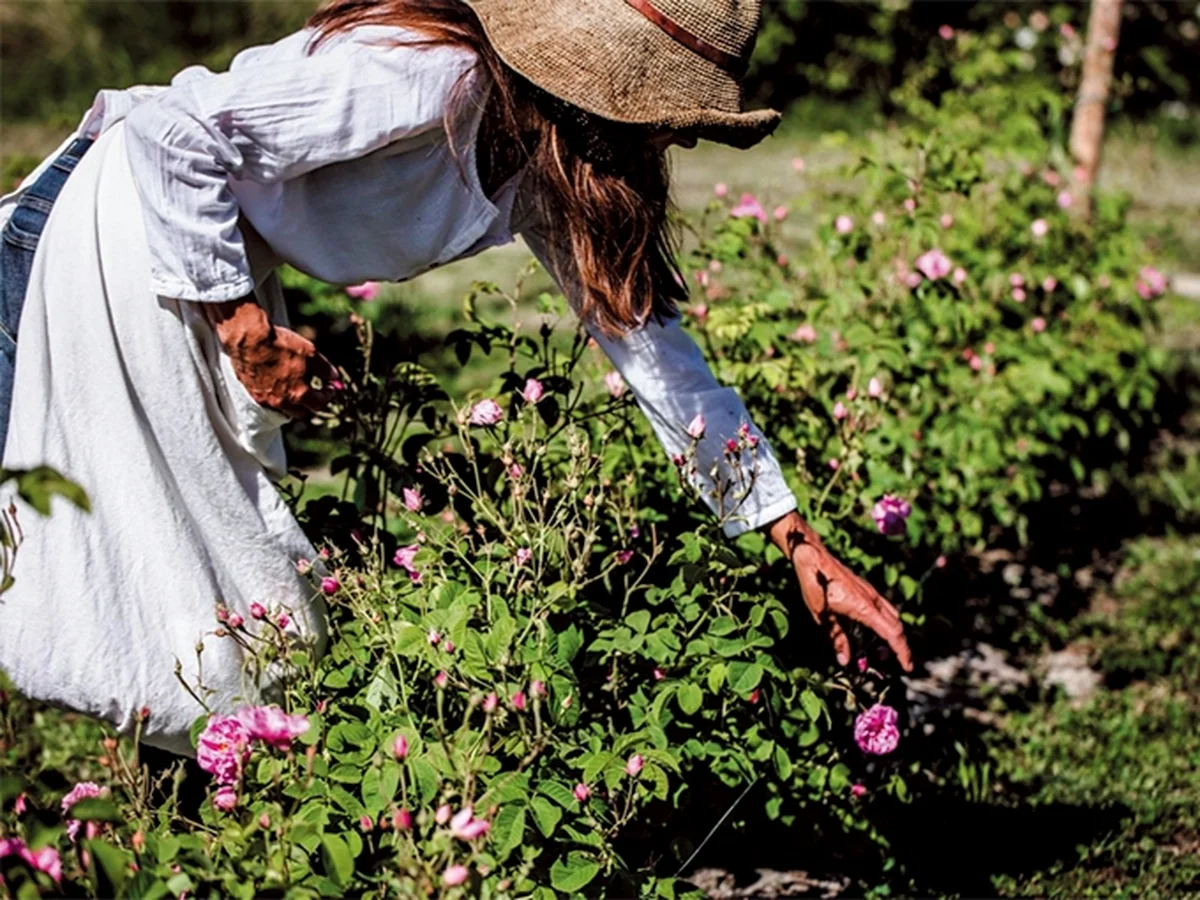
(404,556)
(749,207)
(45,860)
(946,33)
(875,730)
(1151,283)
(518,701)
(486,412)
(857,790)
(225,799)
(272,725)
(624,556)
(85,790)
(400,747)
(19,804)
(330,586)
(235,621)
(258,611)
(402,820)
(890,514)
(283,621)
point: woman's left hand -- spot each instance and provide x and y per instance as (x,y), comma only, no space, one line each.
(831,590)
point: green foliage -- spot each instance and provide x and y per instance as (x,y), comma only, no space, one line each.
(567,645)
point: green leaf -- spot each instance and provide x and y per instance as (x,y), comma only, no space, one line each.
(38,485)
(545,814)
(559,793)
(639,621)
(744,677)
(812,704)
(508,830)
(96,809)
(574,873)
(690,697)
(716,677)
(111,866)
(339,862)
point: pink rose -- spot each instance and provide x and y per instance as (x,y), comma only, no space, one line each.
(404,556)
(1040,228)
(486,412)
(857,790)
(721,189)
(804,334)
(85,790)
(225,799)
(518,701)
(582,792)
(1038,325)
(780,213)
(283,621)
(440,679)
(1065,199)
(455,875)
(466,827)
(400,747)
(947,220)
(910,204)
(933,264)
(959,276)
(843,224)
(1151,283)
(236,621)
(874,388)
(413,501)
(1018,294)
(696,427)
(272,725)
(368,290)
(946,33)
(1049,283)
(749,207)
(524,555)
(533,391)
(839,411)
(875,730)
(878,218)
(443,813)
(223,748)
(330,586)
(634,765)
(490,702)
(891,513)
(537,688)
(258,611)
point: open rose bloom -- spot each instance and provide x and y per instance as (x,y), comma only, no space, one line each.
(876,731)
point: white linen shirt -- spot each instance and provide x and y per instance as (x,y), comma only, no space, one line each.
(340,161)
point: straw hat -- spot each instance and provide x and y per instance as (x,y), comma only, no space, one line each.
(670,63)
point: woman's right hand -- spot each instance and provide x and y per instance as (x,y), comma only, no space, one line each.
(279,368)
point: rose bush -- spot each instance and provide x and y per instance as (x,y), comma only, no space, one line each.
(549,674)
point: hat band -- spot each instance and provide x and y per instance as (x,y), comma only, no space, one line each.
(732,64)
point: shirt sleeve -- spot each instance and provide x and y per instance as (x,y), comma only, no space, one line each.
(673,383)
(266,122)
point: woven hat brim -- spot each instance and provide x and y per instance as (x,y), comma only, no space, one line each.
(607,59)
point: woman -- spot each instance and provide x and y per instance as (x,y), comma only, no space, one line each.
(385,138)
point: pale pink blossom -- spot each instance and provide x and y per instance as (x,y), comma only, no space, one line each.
(839,411)
(780,213)
(524,555)
(490,702)
(257,611)
(264,821)
(715,266)
(797,164)
(455,875)
(448,646)
(582,792)
(443,813)
(434,636)
(1151,283)
(874,388)
(634,765)
(1065,199)
(272,725)
(989,348)
(303,566)
(976,364)
(843,224)
(1067,30)
(959,276)
(1049,283)
(534,391)
(236,620)
(876,731)
(947,220)
(835,464)
(413,500)
(486,412)
(749,207)
(225,799)
(851,393)
(891,513)
(405,556)
(946,33)
(85,790)
(223,748)
(615,383)
(515,471)
(912,279)
(440,679)
(721,189)
(910,204)
(466,827)
(940,562)
(400,747)
(933,264)
(368,290)
(696,427)
(1040,228)
(1016,279)
(878,218)
(804,334)
(1018,294)
(702,278)
(19,804)
(1038,325)
(537,688)
(658,674)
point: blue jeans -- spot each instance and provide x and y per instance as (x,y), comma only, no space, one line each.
(18,242)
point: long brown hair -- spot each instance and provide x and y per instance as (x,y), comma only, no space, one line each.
(601,186)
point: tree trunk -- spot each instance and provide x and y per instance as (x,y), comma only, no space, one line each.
(1087,128)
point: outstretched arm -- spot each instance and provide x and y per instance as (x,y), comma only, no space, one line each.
(672,383)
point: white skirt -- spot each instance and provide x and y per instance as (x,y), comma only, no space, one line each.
(129,395)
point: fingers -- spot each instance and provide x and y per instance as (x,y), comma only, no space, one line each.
(841,643)
(887,625)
